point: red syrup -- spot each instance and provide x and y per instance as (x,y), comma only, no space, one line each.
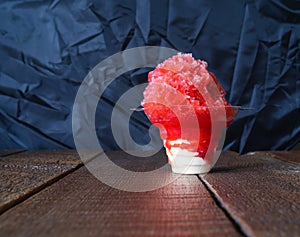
(179,99)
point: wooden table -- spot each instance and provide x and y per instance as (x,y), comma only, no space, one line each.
(51,193)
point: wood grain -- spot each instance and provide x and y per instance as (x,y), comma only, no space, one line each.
(25,173)
(261,193)
(80,205)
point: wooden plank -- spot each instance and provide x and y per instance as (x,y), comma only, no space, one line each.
(9,152)
(288,156)
(25,173)
(261,193)
(297,147)
(80,205)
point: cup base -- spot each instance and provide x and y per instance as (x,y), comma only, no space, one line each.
(192,169)
(185,162)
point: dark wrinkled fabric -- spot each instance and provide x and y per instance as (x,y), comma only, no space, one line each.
(48,47)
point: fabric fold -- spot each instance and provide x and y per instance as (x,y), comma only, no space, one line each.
(47,48)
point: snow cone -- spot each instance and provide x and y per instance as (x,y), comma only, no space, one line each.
(186,102)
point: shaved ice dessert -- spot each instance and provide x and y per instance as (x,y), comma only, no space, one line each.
(186,102)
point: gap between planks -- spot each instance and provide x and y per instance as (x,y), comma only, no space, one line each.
(239,228)
(29,193)
(258,191)
(37,190)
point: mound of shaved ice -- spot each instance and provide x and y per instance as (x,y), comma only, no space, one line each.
(197,87)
